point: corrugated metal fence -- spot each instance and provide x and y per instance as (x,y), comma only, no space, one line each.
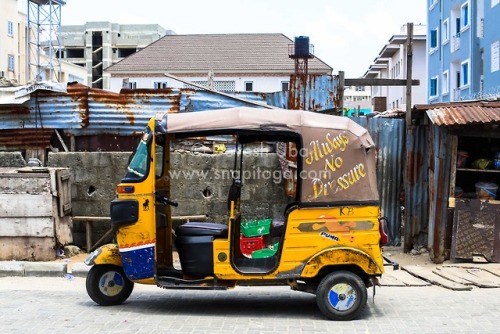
(389,137)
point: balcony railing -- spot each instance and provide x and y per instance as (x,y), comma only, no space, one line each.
(455,42)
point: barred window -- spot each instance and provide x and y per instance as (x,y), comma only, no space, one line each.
(10,28)
(10,62)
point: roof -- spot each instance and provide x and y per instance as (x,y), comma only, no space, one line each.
(462,113)
(248,118)
(337,164)
(222,53)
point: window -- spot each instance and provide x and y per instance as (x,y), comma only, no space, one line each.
(11,63)
(132,85)
(434,39)
(445,32)
(360,88)
(248,86)
(445,83)
(433,87)
(464,73)
(285,86)
(160,84)
(495,56)
(465,15)
(10,28)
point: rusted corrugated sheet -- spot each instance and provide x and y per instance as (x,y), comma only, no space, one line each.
(416,181)
(462,113)
(313,92)
(200,100)
(276,99)
(84,111)
(388,135)
(126,113)
(439,176)
(25,139)
(89,111)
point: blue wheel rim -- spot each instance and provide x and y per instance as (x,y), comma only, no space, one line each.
(342,296)
(111,283)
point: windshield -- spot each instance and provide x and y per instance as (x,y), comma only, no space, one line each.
(139,163)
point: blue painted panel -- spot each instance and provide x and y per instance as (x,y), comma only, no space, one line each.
(138,262)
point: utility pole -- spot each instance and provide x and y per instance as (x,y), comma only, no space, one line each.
(408,244)
(409,65)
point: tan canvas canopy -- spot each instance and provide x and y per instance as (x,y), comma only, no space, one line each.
(338,155)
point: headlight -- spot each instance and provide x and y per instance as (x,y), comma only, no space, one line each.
(89,261)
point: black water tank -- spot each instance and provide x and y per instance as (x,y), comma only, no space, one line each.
(301,46)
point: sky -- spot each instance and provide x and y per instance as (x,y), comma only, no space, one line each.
(347,35)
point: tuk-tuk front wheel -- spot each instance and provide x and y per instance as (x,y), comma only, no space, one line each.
(341,295)
(107,285)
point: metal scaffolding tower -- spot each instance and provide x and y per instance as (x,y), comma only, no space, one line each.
(44,40)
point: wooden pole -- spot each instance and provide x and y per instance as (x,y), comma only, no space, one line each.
(340,90)
(408,237)
(409,65)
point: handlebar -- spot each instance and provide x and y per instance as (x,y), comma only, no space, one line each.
(166,201)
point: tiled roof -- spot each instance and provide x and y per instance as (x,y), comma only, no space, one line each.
(222,53)
(462,113)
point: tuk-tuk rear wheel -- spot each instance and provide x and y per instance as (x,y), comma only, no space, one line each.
(107,285)
(341,295)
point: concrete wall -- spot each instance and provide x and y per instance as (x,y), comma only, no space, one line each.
(204,180)
(12,159)
(200,185)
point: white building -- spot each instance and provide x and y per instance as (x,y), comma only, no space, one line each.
(98,45)
(239,62)
(391,64)
(357,100)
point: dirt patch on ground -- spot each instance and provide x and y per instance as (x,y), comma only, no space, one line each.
(404,259)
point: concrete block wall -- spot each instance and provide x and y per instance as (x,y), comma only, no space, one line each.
(94,176)
(200,183)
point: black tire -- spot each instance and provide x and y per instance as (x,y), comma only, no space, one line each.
(107,285)
(341,295)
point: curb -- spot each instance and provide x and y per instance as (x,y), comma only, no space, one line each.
(42,269)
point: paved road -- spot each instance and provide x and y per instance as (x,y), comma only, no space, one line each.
(56,305)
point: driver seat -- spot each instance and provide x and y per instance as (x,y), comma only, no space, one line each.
(202,229)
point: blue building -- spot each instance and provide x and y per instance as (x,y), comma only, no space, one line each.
(463,43)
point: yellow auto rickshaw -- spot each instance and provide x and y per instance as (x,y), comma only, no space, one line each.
(327,241)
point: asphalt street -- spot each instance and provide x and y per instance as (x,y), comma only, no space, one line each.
(61,305)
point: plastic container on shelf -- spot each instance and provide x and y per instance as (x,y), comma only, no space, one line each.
(486,190)
(496,161)
(462,158)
